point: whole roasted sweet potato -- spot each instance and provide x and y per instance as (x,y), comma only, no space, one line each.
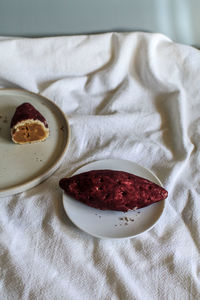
(113,190)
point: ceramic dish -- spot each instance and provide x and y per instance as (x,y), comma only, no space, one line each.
(114,224)
(25,166)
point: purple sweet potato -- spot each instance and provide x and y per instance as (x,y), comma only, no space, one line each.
(112,190)
(28,125)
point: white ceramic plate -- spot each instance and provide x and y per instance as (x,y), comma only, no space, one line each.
(113,224)
(25,166)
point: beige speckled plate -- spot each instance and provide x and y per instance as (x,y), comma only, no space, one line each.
(25,166)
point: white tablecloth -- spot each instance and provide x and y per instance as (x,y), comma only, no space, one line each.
(132,96)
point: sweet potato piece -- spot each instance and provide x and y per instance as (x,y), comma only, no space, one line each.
(28,125)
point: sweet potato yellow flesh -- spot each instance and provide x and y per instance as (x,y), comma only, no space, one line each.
(29,133)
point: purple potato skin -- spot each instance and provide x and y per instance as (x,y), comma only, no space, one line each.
(113,190)
(25,112)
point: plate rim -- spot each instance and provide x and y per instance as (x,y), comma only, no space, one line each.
(18,188)
(115,238)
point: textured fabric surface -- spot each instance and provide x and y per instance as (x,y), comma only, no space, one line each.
(132,96)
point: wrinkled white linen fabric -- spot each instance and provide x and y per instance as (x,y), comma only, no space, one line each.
(133,96)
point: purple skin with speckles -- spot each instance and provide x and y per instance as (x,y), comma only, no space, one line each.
(26,111)
(113,190)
